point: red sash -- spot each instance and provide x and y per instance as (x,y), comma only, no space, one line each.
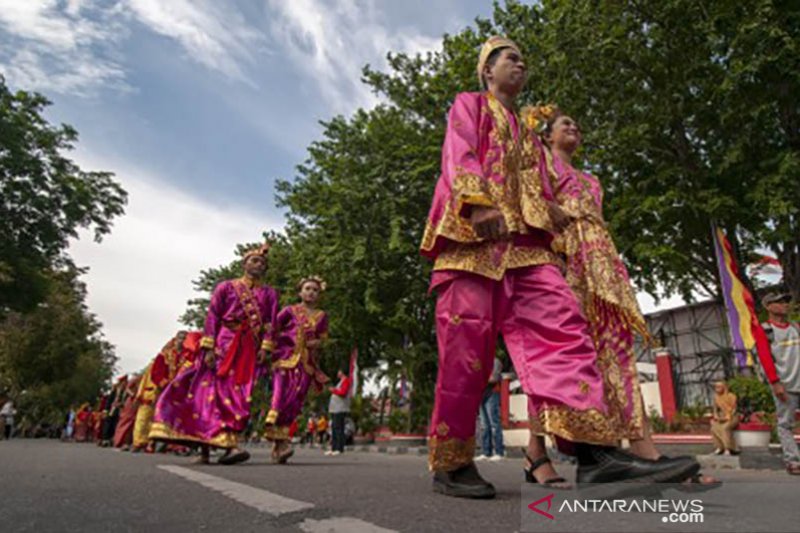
(241,356)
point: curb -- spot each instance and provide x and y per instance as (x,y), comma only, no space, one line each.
(378,448)
(750,459)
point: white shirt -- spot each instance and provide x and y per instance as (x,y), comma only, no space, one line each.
(8,410)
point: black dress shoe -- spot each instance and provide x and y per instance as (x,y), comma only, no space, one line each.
(663,458)
(614,465)
(234,458)
(464,482)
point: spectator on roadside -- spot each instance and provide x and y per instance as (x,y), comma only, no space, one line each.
(2,421)
(492,446)
(724,419)
(322,430)
(7,413)
(311,429)
(339,408)
(69,428)
(783,372)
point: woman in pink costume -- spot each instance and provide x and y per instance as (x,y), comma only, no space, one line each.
(301,328)
(601,283)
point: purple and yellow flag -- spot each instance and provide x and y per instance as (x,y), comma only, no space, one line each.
(746,331)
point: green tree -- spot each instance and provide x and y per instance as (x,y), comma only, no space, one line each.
(54,356)
(355,210)
(46,198)
(689,120)
(689,113)
(690,116)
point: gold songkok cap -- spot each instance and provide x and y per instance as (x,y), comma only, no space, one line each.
(492,44)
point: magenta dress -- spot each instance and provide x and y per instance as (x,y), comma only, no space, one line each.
(212,405)
(511,287)
(294,366)
(600,280)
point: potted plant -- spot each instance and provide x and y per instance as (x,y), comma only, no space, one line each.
(756,408)
(403,430)
(366,429)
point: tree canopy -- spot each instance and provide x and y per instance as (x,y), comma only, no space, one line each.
(46,198)
(690,116)
(52,352)
(54,356)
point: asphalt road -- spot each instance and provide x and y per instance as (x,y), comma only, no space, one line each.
(53,486)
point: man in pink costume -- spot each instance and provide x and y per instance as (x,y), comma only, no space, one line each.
(489,232)
(209,403)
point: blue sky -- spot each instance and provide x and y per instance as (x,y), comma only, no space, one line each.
(216,98)
(198,106)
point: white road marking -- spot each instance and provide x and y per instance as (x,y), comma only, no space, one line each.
(263,500)
(274,504)
(345,525)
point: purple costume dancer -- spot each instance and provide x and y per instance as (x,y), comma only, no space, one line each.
(209,403)
(300,330)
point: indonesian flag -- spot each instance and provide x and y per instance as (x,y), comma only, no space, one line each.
(766,266)
(353,371)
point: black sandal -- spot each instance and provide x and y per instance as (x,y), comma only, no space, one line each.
(283,457)
(530,478)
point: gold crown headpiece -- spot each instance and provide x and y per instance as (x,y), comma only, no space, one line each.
(316,279)
(262,250)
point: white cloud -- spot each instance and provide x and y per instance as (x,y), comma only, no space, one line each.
(332,40)
(60,47)
(49,22)
(140,275)
(32,67)
(213,34)
(73,46)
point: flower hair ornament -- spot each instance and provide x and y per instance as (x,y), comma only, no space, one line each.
(316,279)
(535,117)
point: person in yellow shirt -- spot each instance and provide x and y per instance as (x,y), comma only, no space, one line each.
(322,429)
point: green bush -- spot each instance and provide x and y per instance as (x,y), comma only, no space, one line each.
(398,421)
(367,423)
(753,396)
(694,413)
(657,423)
